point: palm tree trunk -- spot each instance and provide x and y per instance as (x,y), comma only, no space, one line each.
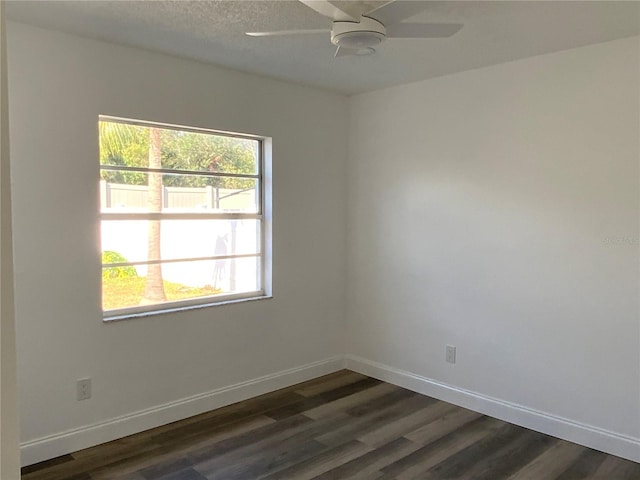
(154,286)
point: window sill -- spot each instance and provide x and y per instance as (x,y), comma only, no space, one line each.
(177,309)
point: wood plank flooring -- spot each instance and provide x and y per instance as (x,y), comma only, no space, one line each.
(340,426)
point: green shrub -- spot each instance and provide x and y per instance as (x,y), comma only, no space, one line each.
(116,272)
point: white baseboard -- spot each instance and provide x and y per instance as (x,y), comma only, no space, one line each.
(587,435)
(87,436)
(45,448)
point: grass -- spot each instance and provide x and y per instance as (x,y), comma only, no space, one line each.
(127,291)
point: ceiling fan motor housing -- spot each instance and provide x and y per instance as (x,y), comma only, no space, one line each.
(367,33)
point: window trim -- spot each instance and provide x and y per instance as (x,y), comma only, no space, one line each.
(263,215)
(186,305)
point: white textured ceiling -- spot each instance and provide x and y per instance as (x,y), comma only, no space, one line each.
(213,31)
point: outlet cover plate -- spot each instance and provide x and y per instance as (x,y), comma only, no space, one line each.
(83,389)
(450,354)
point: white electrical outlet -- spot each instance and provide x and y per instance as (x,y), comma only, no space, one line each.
(83,389)
(450,354)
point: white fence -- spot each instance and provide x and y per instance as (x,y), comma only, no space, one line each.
(117,195)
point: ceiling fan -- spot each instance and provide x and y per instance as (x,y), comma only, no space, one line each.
(357,32)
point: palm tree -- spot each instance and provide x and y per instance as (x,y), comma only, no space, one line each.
(154,286)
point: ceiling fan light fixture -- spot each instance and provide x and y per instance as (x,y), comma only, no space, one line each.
(359,39)
(363,52)
(368,33)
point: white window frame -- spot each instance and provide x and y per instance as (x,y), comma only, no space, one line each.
(263,214)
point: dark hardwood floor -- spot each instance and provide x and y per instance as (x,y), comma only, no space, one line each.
(340,426)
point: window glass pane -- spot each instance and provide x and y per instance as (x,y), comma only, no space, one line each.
(159,239)
(178,239)
(126,191)
(131,145)
(124,287)
(209,153)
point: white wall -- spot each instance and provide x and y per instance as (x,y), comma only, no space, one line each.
(59,85)
(9,437)
(497,210)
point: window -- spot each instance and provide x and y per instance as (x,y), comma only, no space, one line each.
(182,217)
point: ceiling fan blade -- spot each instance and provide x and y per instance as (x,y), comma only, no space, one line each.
(287,32)
(423,30)
(328,9)
(395,11)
